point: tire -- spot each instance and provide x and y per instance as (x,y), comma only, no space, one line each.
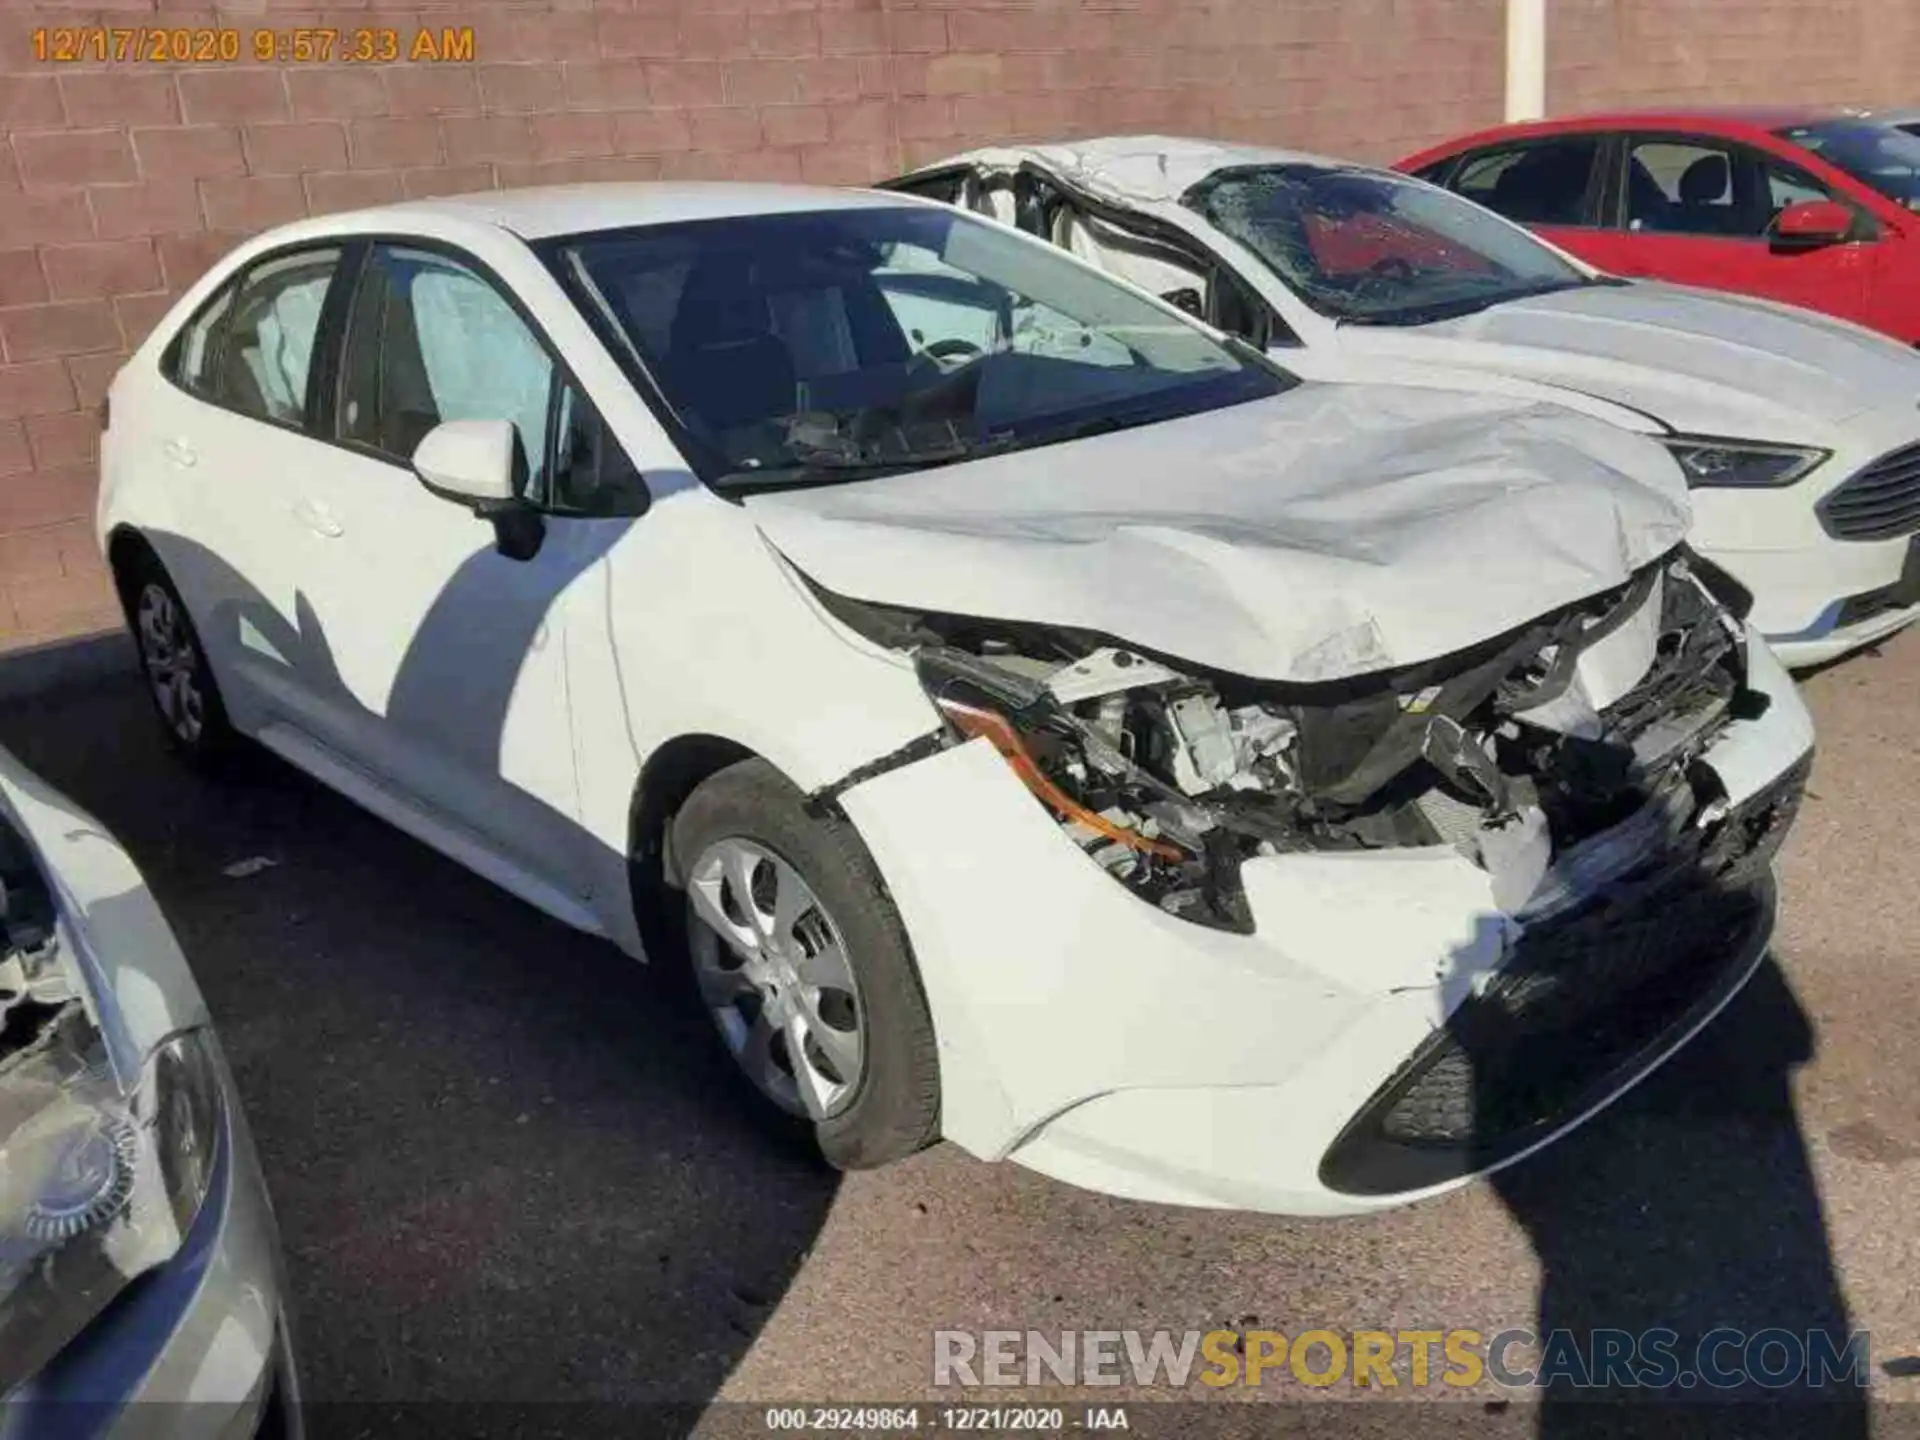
(750,821)
(174,663)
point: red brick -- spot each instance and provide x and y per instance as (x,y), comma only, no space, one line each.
(540,35)
(119,97)
(254,202)
(853,33)
(516,89)
(45,497)
(213,97)
(39,388)
(75,604)
(1003,30)
(760,82)
(123,211)
(336,94)
(391,144)
(586,170)
(29,101)
(927,119)
(917,31)
(35,554)
(490,137)
(873,76)
(795,124)
(571,137)
(138,314)
(43,332)
(828,80)
(447,180)
(869,121)
(21,281)
(289,149)
(185,258)
(650,132)
(353,190)
(431,90)
(725,130)
(107,267)
(963,74)
(714,35)
(91,375)
(16,455)
(605,84)
(684,82)
(846,164)
(74,157)
(643,33)
(192,153)
(66,439)
(788,34)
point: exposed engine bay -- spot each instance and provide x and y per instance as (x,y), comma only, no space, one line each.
(1555,757)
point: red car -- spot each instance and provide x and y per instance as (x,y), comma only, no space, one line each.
(1814,207)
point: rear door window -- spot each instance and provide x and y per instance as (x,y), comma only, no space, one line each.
(1543,182)
(264,360)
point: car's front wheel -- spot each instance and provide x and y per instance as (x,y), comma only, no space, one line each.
(804,966)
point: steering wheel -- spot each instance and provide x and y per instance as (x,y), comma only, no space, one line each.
(951,353)
(1393,267)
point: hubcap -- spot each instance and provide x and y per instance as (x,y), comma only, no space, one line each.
(772,969)
(166,648)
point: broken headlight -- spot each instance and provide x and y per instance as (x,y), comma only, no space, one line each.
(1741,464)
(1122,749)
(101,1175)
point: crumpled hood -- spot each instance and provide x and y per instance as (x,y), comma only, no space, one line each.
(1701,361)
(1329,532)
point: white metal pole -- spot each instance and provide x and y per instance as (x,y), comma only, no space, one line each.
(1526,59)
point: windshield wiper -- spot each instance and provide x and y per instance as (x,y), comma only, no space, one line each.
(1432,314)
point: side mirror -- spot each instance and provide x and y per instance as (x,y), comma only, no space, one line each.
(478,464)
(1809,224)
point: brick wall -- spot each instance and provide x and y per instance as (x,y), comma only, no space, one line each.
(120,183)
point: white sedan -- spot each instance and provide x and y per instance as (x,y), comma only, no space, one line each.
(1036,720)
(1799,433)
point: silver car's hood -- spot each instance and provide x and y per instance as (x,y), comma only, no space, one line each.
(1698,360)
(1330,532)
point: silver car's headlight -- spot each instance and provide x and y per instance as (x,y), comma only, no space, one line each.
(1710,463)
(101,1174)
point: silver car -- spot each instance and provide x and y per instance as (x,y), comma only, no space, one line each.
(139,1260)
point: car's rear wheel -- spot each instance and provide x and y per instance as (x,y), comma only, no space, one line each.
(174,662)
(803,964)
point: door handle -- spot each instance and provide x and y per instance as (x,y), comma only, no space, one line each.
(318,518)
(180,453)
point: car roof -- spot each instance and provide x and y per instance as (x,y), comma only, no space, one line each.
(1730,120)
(1141,167)
(540,212)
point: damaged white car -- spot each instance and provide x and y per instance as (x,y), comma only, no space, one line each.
(1800,434)
(1037,720)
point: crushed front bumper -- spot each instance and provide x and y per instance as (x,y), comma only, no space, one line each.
(1091,1037)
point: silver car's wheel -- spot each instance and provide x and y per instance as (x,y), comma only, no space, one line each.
(172,662)
(772,968)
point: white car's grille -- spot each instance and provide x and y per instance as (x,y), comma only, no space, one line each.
(1879,503)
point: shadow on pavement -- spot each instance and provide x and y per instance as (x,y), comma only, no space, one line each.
(1692,1208)
(509,1163)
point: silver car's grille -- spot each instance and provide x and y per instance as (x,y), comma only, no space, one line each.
(1879,503)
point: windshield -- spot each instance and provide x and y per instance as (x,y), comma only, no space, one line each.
(1369,247)
(810,347)
(1882,156)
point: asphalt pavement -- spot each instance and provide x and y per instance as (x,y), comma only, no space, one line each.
(509,1164)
